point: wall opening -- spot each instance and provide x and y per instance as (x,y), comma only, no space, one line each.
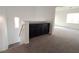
(17,22)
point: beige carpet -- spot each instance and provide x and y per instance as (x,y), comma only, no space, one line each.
(63,40)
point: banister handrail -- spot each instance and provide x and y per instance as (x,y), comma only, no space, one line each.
(21,29)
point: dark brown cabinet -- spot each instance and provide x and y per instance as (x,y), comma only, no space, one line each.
(38,29)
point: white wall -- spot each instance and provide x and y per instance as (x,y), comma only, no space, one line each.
(3,30)
(22,12)
(60,18)
(45,12)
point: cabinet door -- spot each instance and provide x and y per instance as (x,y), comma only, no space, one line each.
(45,28)
(31,30)
(34,30)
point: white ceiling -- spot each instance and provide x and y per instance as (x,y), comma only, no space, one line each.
(66,8)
